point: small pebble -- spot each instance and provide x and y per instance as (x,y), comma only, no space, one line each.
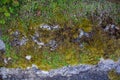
(28,57)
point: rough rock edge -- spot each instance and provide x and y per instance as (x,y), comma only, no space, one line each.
(80,72)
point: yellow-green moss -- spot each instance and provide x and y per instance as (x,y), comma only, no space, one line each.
(67,53)
(113,75)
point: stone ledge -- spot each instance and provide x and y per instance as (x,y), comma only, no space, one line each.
(80,72)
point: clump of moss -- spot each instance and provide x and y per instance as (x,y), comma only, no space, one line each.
(113,75)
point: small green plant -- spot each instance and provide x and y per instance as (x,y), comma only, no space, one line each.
(8,8)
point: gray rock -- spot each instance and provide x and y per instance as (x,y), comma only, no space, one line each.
(2,46)
(87,75)
(23,41)
(81,45)
(65,73)
(16,33)
(83,37)
(45,26)
(39,43)
(112,30)
(28,57)
(80,72)
(117,69)
(82,33)
(36,34)
(52,44)
(106,65)
(15,42)
(56,27)
(19,42)
(18,39)
(69,71)
(34,66)
(48,27)
(35,39)
(7,60)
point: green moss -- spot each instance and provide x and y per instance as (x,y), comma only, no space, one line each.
(77,14)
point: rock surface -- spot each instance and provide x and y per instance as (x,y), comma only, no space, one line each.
(80,72)
(2,46)
(118,67)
